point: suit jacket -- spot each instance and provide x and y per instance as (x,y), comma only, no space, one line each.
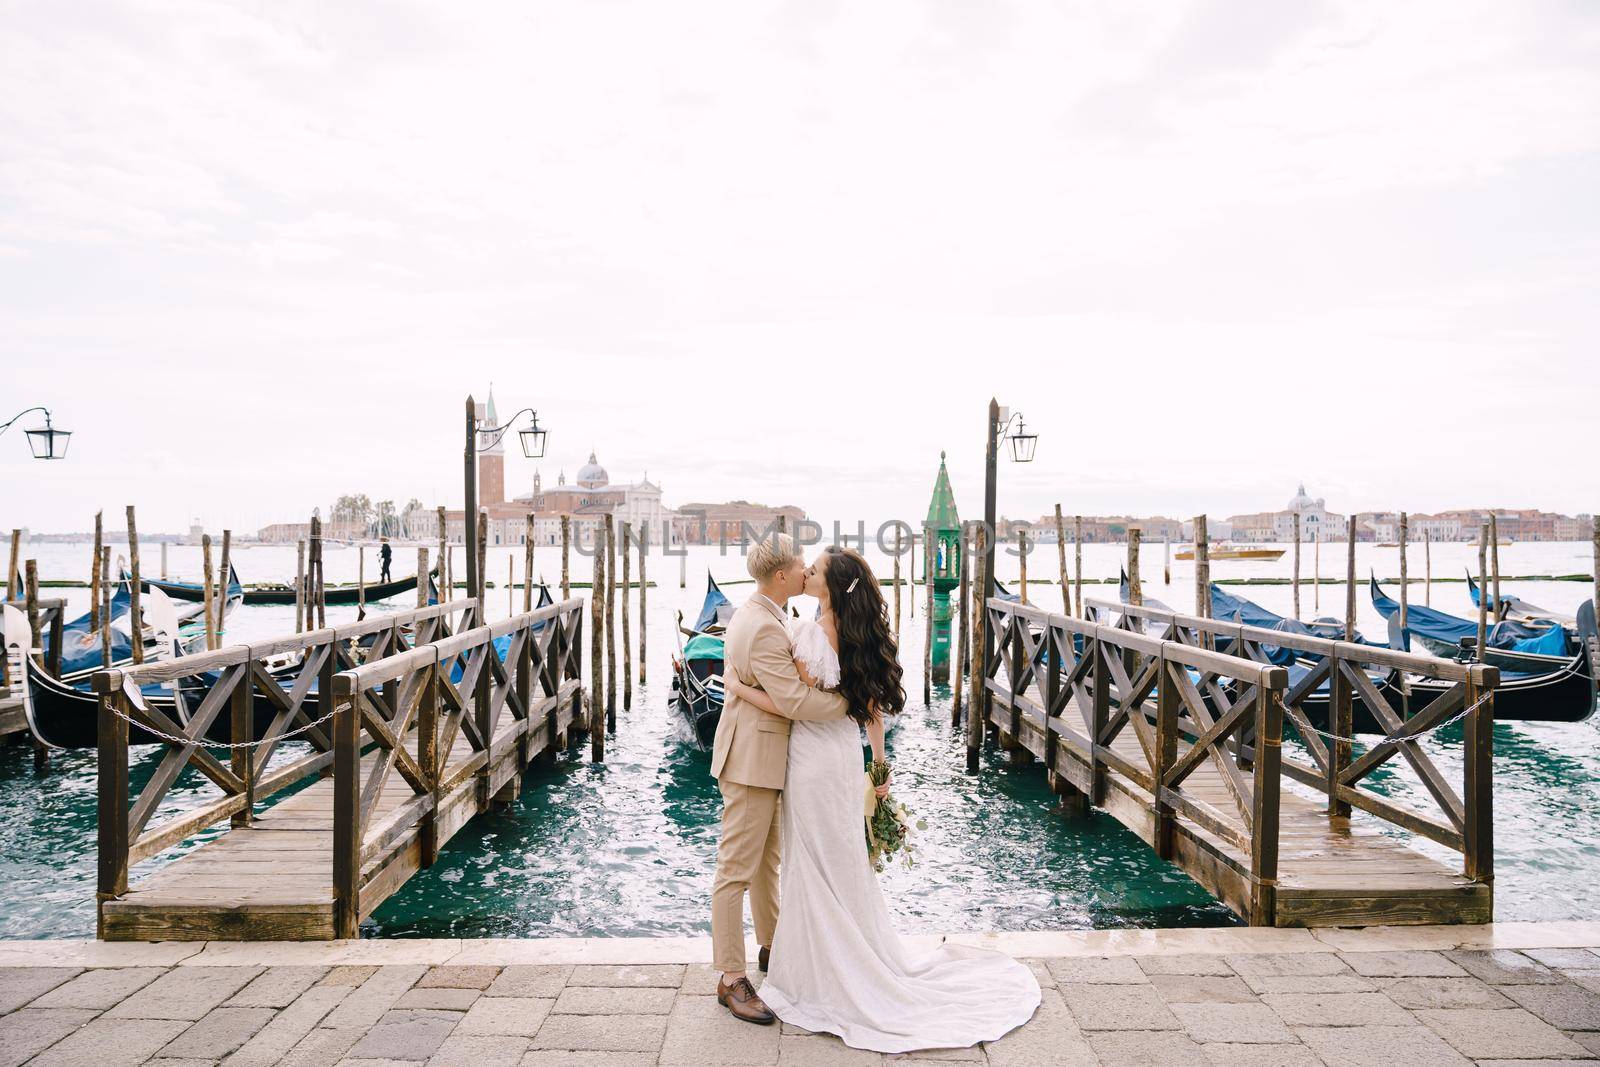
(752,746)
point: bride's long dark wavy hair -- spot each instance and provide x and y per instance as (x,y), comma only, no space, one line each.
(869,668)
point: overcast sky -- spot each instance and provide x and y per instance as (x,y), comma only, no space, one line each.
(255,255)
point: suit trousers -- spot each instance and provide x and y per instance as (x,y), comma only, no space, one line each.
(747,860)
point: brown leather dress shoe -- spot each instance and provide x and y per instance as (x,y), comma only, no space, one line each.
(740,998)
(763,958)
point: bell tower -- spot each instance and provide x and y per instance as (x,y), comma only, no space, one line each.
(491,457)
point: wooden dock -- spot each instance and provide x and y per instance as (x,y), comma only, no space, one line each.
(1186,752)
(427,730)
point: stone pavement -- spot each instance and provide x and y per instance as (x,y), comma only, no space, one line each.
(1401,997)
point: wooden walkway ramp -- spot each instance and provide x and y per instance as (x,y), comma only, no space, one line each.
(399,765)
(1207,726)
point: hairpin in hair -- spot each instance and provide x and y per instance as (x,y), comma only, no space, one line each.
(852,586)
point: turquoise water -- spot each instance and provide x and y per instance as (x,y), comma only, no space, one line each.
(626,848)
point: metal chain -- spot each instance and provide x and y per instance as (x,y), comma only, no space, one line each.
(202,742)
(1391,738)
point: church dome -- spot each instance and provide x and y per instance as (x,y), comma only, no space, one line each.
(1303,502)
(591,475)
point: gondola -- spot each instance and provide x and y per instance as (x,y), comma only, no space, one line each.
(1519,610)
(284,594)
(1453,638)
(697,696)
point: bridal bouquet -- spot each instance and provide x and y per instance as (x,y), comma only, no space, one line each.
(889,822)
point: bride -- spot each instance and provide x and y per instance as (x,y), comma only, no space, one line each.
(837,964)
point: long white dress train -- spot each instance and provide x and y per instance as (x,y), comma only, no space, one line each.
(837,964)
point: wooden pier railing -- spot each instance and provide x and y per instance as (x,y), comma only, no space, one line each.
(278,871)
(1182,743)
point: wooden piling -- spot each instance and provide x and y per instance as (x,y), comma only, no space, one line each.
(566,549)
(1061,555)
(1202,568)
(225,570)
(1166,560)
(511,585)
(319,599)
(1350,581)
(11,568)
(644,587)
(361,582)
(1405,595)
(1077,565)
(928,557)
(208,592)
(597,653)
(1135,588)
(106,586)
(95,577)
(1296,579)
(482,549)
(959,652)
(299,587)
(898,535)
(1494,565)
(611,623)
(163,559)
(422,576)
(977,668)
(527,566)
(444,578)
(627,636)
(135,613)
(31,593)
(1596,523)
(1483,588)
(1316,573)
(1022,562)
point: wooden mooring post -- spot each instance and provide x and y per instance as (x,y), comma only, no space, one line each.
(95,575)
(1316,572)
(225,583)
(1427,567)
(1077,565)
(1494,564)
(644,589)
(1483,589)
(1166,560)
(1022,562)
(300,587)
(963,623)
(1135,587)
(1061,556)
(1296,580)
(977,708)
(135,611)
(611,622)
(528,539)
(444,577)
(1405,581)
(12,574)
(105,605)
(1350,580)
(566,556)
(627,635)
(597,651)
(207,591)
(897,550)
(422,576)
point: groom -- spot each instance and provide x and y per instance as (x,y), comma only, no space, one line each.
(749,759)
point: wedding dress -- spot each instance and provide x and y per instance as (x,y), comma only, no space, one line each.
(837,963)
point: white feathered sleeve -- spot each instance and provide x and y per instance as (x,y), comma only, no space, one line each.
(811,647)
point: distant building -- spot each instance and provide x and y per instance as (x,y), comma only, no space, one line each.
(1097,529)
(284,533)
(735,522)
(1317,523)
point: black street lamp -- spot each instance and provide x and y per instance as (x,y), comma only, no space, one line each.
(533,441)
(45,442)
(1022,448)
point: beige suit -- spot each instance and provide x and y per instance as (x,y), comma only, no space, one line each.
(750,759)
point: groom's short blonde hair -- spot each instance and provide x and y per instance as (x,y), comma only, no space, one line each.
(770,555)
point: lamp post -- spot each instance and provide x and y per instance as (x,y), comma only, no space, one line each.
(533,441)
(1022,448)
(46,442)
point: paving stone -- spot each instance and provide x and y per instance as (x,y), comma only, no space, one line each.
(666,975)
(351,1061)
(621,1033)
(516,1016)
(701,1031)
(1504,967)
(107,1042)
(1402,965)
(1297,964)
(1106,1007)
(220,1032)
(185,993)
(1538,1063)
(1589,980)
(1443,993)
(1227,1055)
(1199,989)
(941,1055)
(406,1035)
(1052,1037)
(700,981)
(1590,1041)
(1310,983)
(1147,1049)
(350,974)
(30,1030)
(164,1061)
(1506,1033)
(1337,1009)
(439,998)
(289,1027)
(1379,1046)
(1251,1024)
(1196,964)
(277,987)
(322,1047)
(368,1002)
(529,981)
(100,988)
(446,977)
(1564,957)
(821,1050)
(1092,970)
(571,1058)
(1567,1006)
(614,1000)
(480,1050)
(1040,969)
(19,985)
